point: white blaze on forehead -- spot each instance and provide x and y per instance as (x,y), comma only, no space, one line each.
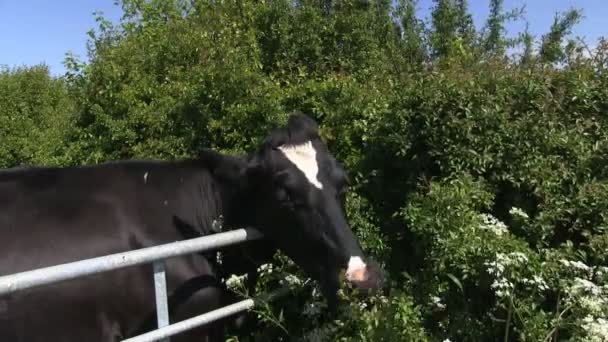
(356,271)
(304,157)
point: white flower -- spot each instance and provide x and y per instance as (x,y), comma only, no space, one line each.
(383,299)
(437,302)
(503,287)
(536,281)
(492,224)
(586,286)
(293,280)
(504,262)
(580,265)
(519,257)
(593,304)
(597,329)
(514,211)
(265,269)
(234,281)
(540,282)
(575,265)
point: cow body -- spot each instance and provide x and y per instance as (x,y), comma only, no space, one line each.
(291,189)
(53,216)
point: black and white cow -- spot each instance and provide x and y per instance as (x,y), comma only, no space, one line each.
(291,189)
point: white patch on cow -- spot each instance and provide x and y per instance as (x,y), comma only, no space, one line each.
(146,178)
(356,271)
(304,158)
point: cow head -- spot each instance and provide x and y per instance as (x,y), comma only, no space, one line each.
(293,192)
(299,192)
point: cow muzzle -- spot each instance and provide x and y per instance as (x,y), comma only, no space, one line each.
(364,276)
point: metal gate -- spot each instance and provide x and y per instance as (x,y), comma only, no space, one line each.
(155,255)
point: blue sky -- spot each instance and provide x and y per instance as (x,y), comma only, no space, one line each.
(42,31)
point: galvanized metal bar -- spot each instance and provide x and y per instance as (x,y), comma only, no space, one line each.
(160,293)
(54,274)
(206,318)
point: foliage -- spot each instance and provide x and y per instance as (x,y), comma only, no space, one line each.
(35,117)
(479,176)
(551,49)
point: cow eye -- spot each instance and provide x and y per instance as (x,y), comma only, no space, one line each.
(288,197)
(283,195)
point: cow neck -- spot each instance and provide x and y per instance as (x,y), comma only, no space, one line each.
(232,207)
(207,204)
(236,208)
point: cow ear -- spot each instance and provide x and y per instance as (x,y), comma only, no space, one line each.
(225,167)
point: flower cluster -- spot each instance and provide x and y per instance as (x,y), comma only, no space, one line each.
(535,282)
(576,266)
(265,269)
(492,224)
(291,280)
(236,282)
(584,286)
(504,268)
(504,260)
(596,328)
(587,295)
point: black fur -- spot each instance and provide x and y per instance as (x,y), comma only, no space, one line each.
(50,216)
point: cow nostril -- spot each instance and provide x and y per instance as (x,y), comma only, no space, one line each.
(358,275)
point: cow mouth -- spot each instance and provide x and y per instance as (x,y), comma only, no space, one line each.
(363,276)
